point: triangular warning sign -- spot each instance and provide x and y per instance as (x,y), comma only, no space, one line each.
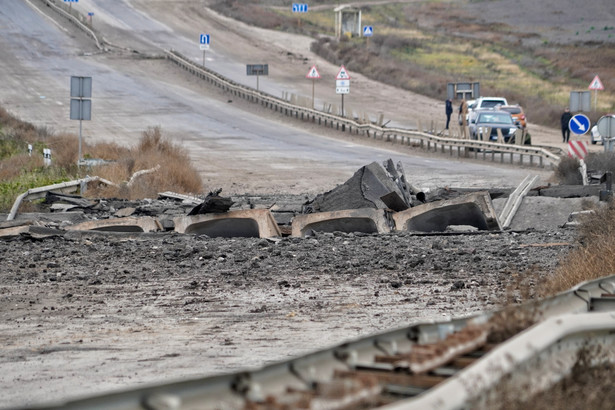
(596,84)
(343,74)
(313,73)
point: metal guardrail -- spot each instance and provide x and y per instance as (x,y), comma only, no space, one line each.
(75,20)
(514,200)
(62,187)
(465,148)
(312,373)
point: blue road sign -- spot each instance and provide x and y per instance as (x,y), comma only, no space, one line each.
(300,7)
(579,124)
(204,39)
(71,1)
(368,31)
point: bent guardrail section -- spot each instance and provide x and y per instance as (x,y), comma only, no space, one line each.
(391,368)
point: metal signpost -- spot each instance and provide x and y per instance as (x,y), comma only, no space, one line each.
(580,101)
(204,45)
(606,128)
(342,84)
(257,70)
(91,19)
(80,103)
(70,3)
(596,85)
(368,31)
(313,74)
(300,8)
(461,91)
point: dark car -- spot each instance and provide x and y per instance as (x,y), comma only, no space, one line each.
(494,120)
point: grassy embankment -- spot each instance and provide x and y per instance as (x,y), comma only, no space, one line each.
(424,60)
(20,171)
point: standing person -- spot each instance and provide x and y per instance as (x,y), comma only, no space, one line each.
(463,112)
(566,116)
(449,111)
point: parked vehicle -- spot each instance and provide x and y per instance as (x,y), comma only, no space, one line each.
(484,103)
(517,113)
(595,136)
(494,120)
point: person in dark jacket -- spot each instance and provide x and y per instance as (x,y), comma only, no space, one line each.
(449,111)
(566,116)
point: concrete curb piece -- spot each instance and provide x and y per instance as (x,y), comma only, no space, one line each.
(366,220)
(250,223)
(474,210)
(128,224)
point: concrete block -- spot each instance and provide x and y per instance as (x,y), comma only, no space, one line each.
(32,231)
(13,231)
(248,223)
(365,189)
(128,224)
(366,220)
(475,210)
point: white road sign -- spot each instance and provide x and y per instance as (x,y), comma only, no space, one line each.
(343,74)
(596,84)
(313,73)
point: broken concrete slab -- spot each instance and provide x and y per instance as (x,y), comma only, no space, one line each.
(365,189)
(365,220)
(247,223)
(472,210)
(128,224)
(186,199)
(33,231)
(212,204)
(399,177)
(567,191)
(13,231)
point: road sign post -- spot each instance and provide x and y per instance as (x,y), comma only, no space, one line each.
(313,74)
(299,8)
(579,124)
(257,70)
(80,103)
(606,129)
(204,45)
(596,85)
(342,84)
(368,31)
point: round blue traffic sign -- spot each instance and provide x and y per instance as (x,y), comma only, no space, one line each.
(579,124)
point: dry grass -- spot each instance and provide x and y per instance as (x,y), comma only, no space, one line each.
(175,172)
(20,171)
(593,259)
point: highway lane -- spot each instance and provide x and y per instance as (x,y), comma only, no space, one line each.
(231,147)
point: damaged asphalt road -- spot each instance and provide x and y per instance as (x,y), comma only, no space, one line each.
(105,311)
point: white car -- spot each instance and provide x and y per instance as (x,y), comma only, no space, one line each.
(595,136)
(482,103)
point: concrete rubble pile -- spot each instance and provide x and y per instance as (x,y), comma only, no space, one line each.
(376,199)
